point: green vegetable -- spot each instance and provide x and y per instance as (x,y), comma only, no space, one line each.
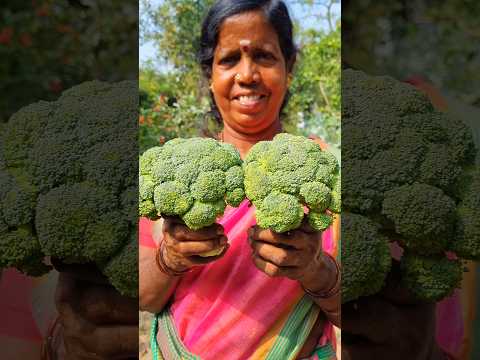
(193,179)
(408,169)
(366,259)
(68,183)
(286,174)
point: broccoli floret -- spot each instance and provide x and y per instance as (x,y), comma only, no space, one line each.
(26,255)
(366,258)
(466,242)
(279,212)
(423,215)
(68,230)
(406,168)
(430,278)
(190,178)
(202,214)
(287,173)
(119,268)
(68,178)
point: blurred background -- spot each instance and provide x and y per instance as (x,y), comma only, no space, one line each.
(47,46)
(173,96)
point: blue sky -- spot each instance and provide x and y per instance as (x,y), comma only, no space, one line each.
(147,50)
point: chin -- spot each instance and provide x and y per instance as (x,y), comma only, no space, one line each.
(252,124)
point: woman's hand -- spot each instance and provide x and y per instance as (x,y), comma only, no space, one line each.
(296,254)
(389,325)
(96,321)
(182,246)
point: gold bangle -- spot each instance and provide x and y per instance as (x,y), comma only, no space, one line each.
(164,268)
(335,290)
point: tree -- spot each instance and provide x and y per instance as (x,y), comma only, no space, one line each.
(47,46)
(174,27)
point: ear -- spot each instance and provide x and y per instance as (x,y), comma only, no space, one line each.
(289,79)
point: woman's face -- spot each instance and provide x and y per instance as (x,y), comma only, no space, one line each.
(249,76)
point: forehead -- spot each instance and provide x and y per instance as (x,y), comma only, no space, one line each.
(250,27)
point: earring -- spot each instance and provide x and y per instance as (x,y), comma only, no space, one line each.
(289,80)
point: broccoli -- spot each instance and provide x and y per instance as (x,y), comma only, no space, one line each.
(286,174)
(68,180)
(366,260)
(406,169)
(193,179)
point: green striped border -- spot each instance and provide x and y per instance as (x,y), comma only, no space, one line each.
(164,327)
(295,332)
(325,352)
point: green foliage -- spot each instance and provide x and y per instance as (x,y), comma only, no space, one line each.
(408,169)
(190,178)
(47,46)
(281,178)
(384,37)
(314,107)
(67,178)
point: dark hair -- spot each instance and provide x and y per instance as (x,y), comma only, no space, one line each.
(275,12)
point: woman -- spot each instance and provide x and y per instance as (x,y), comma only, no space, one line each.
(273,296)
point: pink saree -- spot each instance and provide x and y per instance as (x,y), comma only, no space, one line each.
(231,310)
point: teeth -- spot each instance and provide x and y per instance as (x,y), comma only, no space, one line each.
(249,98)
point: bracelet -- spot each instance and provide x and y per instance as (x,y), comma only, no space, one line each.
(336,287)
(163,266)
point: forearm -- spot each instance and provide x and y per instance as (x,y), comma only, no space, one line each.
(326,281)
(155,288)
(331,308)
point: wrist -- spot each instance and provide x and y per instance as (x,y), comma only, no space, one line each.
(165,265)
(326,282)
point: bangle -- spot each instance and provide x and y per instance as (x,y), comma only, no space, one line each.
(335,288)
(163,266)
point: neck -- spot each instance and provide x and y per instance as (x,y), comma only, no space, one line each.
(244,141)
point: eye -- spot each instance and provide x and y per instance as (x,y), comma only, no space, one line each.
(229,59)
(265,56)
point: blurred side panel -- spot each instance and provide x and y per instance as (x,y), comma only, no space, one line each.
(411,179)
(68,179)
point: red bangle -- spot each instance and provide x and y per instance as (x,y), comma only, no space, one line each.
(335,288)
(163,266)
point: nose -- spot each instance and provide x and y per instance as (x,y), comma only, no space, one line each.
(247,73)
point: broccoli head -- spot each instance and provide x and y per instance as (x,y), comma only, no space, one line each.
(289,173)
(68,180)
(409,169)
(193,179)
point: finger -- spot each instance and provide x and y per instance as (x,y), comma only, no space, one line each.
(66,292)
(87,272)
(102,305)
(189,248)
(183,233)
(273,270)
(277,256)
(196,260)
(288,239)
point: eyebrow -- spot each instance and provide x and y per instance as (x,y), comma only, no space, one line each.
(265,47)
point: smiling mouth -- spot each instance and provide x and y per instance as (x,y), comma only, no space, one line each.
(249,100)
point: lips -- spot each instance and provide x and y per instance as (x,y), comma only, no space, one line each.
(249,103)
